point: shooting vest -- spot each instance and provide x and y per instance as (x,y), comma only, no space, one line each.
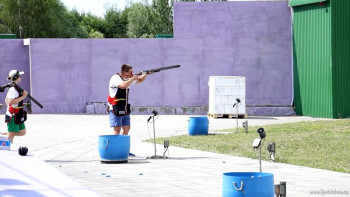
(119,102)
(17,112)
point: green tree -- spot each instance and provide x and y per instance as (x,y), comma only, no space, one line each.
(139,21)
(38,19)
(92,23)
(50,19)
(77,29)
(63,24)
(162,16)
(95,34)
(116,23)
(15,16)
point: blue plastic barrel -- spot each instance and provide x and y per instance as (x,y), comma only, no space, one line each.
(248,184)
(114,148)
(198,126)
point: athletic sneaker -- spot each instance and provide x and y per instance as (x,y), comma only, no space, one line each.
(130,154)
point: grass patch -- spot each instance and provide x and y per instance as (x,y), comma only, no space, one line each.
(318,144)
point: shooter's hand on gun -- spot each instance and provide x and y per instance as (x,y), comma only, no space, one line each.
(140,77)
(135,77)
(147,72)
(25,93)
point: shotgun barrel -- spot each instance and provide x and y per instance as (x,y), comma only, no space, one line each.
(2,88)
(159,69)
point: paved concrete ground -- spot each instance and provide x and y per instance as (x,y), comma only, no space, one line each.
(69,143)
(31,177)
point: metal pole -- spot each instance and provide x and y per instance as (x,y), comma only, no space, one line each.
(19,19)
(154,137)
(260,156)
(237,116)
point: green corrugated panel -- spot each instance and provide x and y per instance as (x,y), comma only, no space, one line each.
(303,2)
(341,57)
(7,36)
(164,36)
(312,60)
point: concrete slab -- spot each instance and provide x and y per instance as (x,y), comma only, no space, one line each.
(69,143)
(31,177)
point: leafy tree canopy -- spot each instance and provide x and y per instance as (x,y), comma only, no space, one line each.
(51,19)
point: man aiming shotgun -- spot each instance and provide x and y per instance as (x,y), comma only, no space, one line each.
(119,108)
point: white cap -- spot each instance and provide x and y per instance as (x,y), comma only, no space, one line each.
(14,74)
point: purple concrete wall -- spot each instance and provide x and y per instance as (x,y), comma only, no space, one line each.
(68,73)
(61,74)
(13,55)
(250,39)
(259,34)
(227,20)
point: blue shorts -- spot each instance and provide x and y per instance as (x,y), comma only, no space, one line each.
(118,121)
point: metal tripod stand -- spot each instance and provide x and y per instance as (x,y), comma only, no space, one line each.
(155,156)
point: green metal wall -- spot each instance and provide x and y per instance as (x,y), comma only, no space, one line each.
(341,57)
(7,36)
(312,46)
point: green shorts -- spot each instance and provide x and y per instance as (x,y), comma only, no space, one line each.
(13,127)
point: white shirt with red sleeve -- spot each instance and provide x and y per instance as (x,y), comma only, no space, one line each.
(114,82)
(11,94)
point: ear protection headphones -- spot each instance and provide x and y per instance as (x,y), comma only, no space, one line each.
(23,151)
(16,76)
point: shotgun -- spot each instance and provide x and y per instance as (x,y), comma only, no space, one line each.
(2,89)
(158,69)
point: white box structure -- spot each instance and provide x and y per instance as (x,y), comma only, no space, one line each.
(4,143)
(223,93)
